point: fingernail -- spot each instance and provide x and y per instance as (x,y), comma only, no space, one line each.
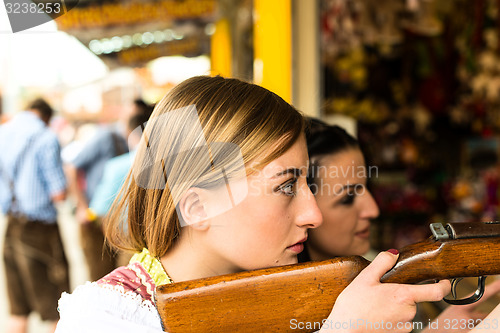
(393,251)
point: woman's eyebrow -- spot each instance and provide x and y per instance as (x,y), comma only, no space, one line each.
(294,171)
(344,189)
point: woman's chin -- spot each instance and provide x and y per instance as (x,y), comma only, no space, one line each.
(287,261)
(363,249)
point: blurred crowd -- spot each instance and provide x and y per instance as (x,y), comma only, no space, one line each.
(46,159)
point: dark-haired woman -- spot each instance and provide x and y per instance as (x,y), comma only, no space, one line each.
(337,176)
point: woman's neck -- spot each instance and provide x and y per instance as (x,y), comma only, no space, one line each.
(190,259)
(315,255)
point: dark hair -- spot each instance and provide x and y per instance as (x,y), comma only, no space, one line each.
(142,108)
(324,139)
(42,107)
(137,120)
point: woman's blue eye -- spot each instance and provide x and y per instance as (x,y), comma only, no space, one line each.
(289,188)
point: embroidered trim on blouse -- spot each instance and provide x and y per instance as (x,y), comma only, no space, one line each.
(153,266)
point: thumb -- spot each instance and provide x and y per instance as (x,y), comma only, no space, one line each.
(383,262)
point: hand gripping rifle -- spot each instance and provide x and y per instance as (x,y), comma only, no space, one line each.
(266,300)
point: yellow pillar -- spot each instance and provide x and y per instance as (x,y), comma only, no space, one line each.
(220,49)
(273,46)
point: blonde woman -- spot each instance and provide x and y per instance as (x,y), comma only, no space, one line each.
(219,186)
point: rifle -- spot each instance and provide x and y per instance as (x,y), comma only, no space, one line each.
(267,300)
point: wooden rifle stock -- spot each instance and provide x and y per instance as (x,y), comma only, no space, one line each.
(273,299)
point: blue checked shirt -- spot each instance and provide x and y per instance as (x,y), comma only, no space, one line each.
(39,175)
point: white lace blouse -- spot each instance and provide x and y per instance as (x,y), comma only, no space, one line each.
(120,302)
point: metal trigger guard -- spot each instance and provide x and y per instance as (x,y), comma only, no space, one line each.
(469,300)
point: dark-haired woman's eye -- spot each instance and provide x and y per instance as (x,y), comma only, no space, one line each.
(348,198)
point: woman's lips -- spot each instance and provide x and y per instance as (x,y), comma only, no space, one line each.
(298,247)
(365,233)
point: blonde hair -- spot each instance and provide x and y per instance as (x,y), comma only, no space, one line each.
(229,111)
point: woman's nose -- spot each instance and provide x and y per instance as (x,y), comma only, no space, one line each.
(370,208)
(308,211)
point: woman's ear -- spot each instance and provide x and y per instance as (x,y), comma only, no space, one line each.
(192,209)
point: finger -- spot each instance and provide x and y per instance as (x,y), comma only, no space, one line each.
(383,262)
(430,292)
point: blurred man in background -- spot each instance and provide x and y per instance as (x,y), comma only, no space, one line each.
(115,175)
(90,163)
(84,174)
(31,182)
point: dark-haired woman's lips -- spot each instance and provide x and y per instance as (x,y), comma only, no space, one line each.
(365,233)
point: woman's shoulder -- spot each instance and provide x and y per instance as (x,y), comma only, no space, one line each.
(132,278)
(121,301)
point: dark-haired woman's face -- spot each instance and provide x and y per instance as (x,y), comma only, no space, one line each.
(346,205)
